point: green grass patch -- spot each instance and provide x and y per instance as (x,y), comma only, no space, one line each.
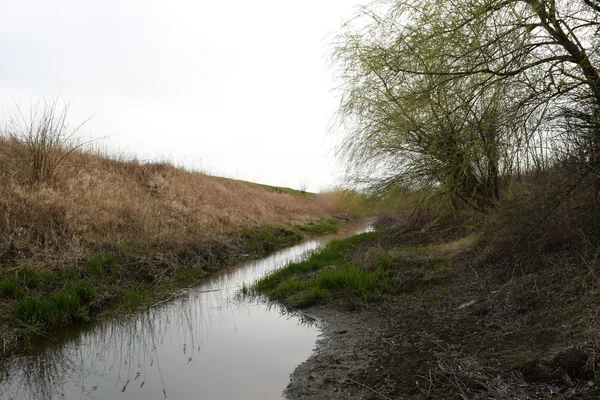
(311,296)
(136,298)
(264,240)
(8,287)
(326,275)
(187,276)
(332,254)
(28,277)
(101,264)
(62,307)
(328,226)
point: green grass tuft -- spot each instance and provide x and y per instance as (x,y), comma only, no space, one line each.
(101,264)
(325,274)
(265,240)
(68,305)
(311,296)
(8,287)
(330,225)
(28,277)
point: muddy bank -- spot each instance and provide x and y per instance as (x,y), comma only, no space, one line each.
(449,328)
(443,350)
(339,356)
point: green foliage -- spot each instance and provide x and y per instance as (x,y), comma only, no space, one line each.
(136,298)
(330,255)
(65,306)
(264,240)
(443,98)
(8,287)
(325,273)
(311,296)
(325,227)
(186,276)
(350,279)
(101,264)
(28,276)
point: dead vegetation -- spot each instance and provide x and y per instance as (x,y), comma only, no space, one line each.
(95,202)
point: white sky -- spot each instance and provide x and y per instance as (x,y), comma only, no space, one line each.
(240,88)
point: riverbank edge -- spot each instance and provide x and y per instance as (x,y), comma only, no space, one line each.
(454,325)
(124,279)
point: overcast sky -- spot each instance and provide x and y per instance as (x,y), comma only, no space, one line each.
(241,88)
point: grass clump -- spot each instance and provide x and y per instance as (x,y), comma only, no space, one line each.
(67,305)
(311,296)
(330,225)
(326,275)
(8,287)
(350,279)
(101,264)
(267,239)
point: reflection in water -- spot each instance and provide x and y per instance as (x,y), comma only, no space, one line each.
(208,344)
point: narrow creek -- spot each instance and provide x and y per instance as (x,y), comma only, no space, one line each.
(206,344)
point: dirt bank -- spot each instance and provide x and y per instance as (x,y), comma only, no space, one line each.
(444,350)
(450,328)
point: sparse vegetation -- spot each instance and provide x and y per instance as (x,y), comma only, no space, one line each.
(325,227)
(456,308)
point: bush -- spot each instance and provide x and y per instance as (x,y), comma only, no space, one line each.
(47,137)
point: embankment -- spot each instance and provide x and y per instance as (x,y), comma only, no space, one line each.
(101,234)
(448,311)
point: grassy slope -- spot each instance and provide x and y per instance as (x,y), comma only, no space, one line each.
(109,234)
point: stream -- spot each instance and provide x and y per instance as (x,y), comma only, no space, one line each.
(209,343)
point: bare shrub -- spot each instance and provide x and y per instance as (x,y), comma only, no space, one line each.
(47,137)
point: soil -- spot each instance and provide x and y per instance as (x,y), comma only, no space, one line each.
(469,336)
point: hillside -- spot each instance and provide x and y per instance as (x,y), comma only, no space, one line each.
(100,233)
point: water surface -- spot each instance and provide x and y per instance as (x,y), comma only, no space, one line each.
(206,344)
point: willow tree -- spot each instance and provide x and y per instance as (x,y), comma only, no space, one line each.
(451,94)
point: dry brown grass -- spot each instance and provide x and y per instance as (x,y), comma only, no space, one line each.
(95,201)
